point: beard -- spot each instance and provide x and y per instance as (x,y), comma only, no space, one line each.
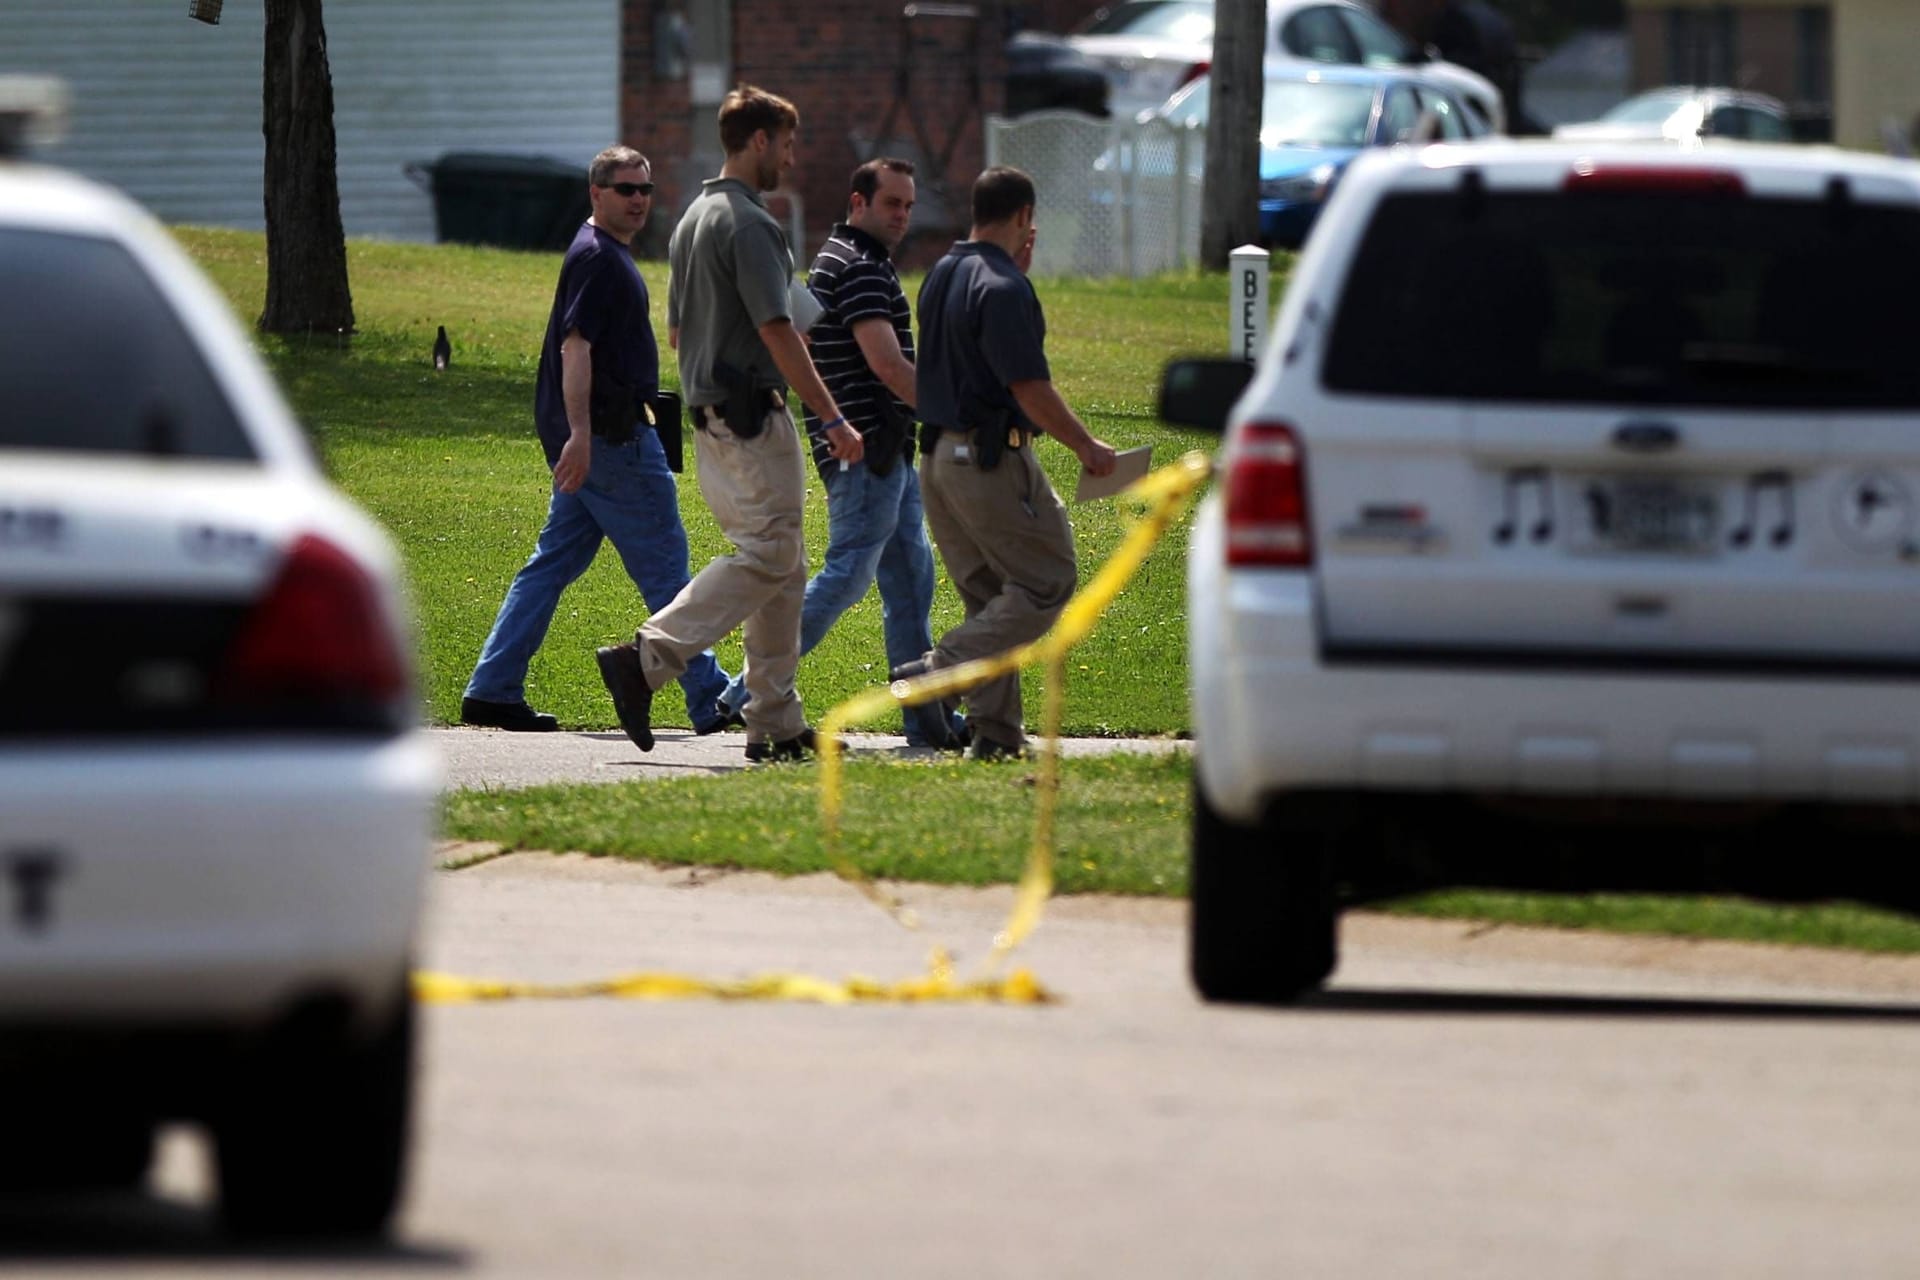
(768,175)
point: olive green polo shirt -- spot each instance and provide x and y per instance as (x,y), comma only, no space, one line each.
(730,270)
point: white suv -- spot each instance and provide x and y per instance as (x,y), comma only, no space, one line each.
(215,803)
(1567,537)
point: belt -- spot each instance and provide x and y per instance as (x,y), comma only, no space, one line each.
(1016,436)
(704,413)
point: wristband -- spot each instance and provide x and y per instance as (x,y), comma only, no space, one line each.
(840,421)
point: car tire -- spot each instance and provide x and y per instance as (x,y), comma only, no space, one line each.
(1263,927)
(312,1139)
(72,1151)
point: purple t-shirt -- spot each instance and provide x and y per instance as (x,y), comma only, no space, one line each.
(602,295)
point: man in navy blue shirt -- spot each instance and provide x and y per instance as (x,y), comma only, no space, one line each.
(986,394)
(599,369)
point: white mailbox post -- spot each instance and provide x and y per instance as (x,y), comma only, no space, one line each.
(1247,307)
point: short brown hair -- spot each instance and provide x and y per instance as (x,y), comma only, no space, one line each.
(612,160)
(866,179)
(747,110)
(999,193)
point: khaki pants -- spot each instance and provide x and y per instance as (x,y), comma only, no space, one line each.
(755,489)
(1004,538)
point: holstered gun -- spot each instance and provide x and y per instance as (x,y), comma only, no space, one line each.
(745,408)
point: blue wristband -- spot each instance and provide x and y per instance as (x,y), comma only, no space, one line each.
(840,421)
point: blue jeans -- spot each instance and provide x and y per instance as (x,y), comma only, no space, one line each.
(876,531)
(629,498)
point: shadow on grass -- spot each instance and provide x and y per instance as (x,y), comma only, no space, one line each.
(125,1225)
(1475,1004)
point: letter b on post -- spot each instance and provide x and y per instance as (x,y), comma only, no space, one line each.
(1247,306)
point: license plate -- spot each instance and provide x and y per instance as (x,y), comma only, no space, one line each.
(1650,515)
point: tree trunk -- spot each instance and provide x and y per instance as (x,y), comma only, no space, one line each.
(306,246)
(1230,216)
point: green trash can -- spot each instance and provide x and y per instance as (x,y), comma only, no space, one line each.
(515,202)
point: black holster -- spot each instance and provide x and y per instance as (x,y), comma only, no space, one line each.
(746,406)
(892,438)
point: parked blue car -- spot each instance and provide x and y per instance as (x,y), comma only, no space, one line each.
(1313,123)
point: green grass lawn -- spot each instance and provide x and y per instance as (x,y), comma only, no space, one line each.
(1122,828)
(449,464)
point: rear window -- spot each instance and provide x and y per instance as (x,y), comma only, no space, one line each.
(94,360)
(1635,296)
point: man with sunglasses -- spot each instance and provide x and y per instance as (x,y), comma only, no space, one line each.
(599,367)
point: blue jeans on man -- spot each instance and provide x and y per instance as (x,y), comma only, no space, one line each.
(876,532)
(630,499)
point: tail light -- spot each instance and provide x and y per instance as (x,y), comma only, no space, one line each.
(1596,179)
(1267,499)
(317,639)
(1194,72)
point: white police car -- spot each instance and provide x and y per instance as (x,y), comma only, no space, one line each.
(215,805)
(1568,535)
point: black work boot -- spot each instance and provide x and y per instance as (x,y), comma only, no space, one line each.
(632,700)
(515,717)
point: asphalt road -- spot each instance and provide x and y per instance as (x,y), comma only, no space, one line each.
(1463,1103)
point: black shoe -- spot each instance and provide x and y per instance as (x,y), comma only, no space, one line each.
(723,718)
(988,749)
(632,700)
(798,747)
(515,717)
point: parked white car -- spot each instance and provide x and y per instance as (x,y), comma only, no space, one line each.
(215,803)
(1149,48)
(1567,535)
(1686,115)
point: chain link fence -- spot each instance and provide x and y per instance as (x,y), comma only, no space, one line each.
(1117,197)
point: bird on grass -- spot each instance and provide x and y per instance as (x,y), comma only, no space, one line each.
(442,350)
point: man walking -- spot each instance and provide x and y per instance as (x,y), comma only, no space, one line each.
(599,365)
(986,393)
(863,347)
(728,316)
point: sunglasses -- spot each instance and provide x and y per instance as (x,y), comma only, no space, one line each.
(630,189)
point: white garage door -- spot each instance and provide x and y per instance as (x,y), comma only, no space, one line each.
(169,108)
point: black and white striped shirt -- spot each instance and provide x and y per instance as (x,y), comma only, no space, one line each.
(854,279)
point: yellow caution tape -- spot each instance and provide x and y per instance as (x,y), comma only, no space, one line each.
(1018,987)
(1167,492)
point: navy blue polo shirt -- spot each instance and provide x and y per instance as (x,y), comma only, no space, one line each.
(980,329)
(602,295)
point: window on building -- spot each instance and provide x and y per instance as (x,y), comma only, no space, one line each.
(1813,72)
(1700,46)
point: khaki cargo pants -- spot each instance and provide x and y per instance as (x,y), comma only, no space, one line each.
(756,489)
(1005,540)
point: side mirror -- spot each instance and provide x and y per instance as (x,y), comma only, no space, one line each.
(1200,393)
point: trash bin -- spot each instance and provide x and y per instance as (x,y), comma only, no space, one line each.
(515,202)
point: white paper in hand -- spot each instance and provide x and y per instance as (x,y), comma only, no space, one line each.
(802,307)
(1128,465)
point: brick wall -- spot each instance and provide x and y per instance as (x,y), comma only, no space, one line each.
(1053,15)
(654,119)
(840,65)
(1767,56)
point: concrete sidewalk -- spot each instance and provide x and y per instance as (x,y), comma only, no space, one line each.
(493,758)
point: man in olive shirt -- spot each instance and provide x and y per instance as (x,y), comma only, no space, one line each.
(728,317)
(986,390)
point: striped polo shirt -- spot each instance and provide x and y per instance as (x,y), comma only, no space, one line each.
(854,279)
